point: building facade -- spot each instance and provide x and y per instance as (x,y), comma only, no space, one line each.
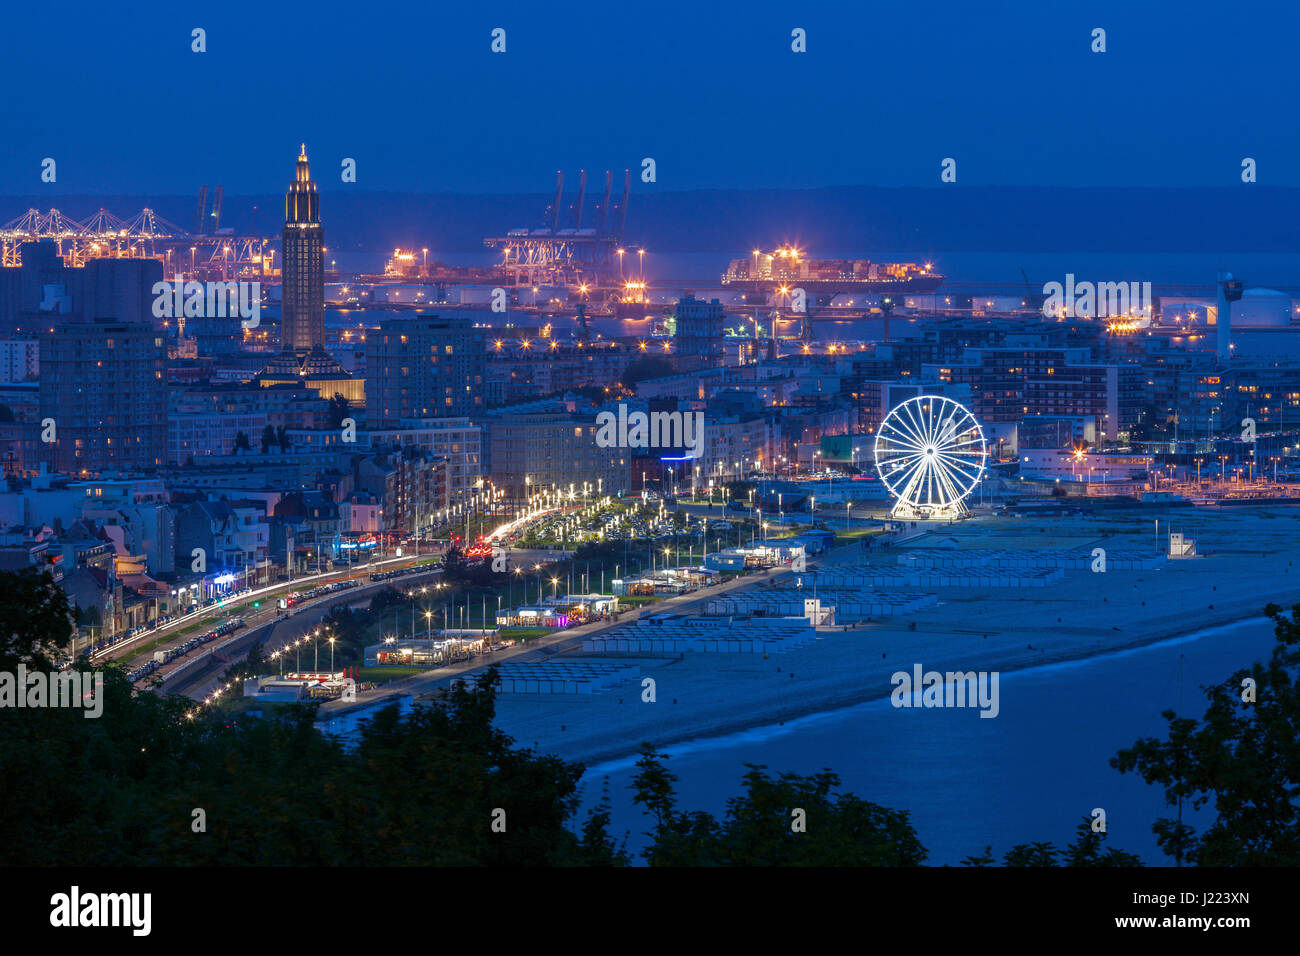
(424,367)
(103,396)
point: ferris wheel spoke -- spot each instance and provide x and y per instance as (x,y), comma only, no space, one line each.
(944,481)
(953,493)
(908,474)
(968,470)
(894,463)
(973,465)
(931,421)
(899,435)
(936,496)
(963,458)
(904,429)
(918,422)
(945,432)
(912,485)
(911,420)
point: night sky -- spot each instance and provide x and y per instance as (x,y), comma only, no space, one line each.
(711,91)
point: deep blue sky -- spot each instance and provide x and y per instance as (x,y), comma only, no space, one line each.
(711,90)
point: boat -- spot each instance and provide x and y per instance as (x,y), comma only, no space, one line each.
(788,267)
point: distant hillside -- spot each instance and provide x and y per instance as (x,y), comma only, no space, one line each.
(861,220)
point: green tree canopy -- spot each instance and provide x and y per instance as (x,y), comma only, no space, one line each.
(1242,756)
(759,828)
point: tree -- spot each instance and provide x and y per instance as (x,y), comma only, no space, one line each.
(1242,755)
(282,438)
(268,438)
(339,409)
(241,442)
(477,572)
(417,789)
(1084,851)
(254,662)
(598,847)
(786,820)
(38,620)
(641,369)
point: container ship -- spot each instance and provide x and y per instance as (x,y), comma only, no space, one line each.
(790,267)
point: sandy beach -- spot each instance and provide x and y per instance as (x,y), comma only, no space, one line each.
(1248,557)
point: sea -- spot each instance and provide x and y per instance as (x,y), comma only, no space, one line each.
(1030,774)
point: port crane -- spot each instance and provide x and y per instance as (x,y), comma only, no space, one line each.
(557,253)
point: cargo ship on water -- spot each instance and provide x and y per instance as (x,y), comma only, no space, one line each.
(789,267)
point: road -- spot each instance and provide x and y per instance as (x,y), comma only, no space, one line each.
(129,650)
(275,629)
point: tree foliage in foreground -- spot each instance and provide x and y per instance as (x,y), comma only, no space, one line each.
(419,788)
(1086,850)
(1242,756)
(759,828)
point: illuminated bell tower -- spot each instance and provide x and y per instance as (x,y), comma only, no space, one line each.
(302,323)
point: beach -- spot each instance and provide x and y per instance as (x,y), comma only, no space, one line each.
(1247,557)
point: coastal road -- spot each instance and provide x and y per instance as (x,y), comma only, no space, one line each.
(171,634)
(274,630)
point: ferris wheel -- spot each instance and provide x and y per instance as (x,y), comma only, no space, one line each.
(930,454)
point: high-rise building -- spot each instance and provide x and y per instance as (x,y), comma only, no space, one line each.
(424,367)
(103,396)
(122,288)
(1007,383)
(19,360)
(302,322)
(302,287)
(43,290)
(699,332)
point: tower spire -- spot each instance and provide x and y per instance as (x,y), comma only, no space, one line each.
(303,270)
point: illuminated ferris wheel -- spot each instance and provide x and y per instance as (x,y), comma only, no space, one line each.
(930,454)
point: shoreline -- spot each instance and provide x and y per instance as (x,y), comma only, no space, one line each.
(830,705)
